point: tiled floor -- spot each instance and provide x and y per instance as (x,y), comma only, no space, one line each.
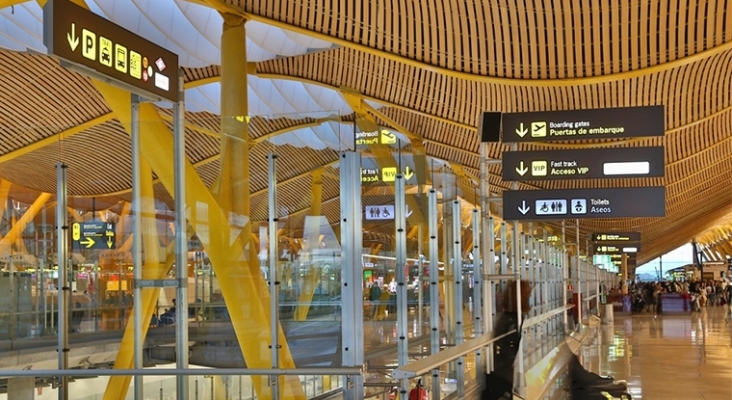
(677,357)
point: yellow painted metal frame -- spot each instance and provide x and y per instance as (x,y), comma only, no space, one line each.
(152,269)
(306,295)
(19,226)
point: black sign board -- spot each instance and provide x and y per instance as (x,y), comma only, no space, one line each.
(630,248)
(634,162)
(83,38)
(93,235)
(615,237)
(584,203)
(607,123)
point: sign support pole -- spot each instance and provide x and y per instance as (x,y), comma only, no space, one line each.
(565,272)
(483,291)
(273,282)
(181,241)
(457,267)
(434,292)
(352,277)
(400,222)
(62,230)
(580,297)
(136,243)
(477,297)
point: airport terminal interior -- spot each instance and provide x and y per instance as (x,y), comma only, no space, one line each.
(324,199)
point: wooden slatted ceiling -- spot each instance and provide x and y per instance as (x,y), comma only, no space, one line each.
(39,98)
(533,39)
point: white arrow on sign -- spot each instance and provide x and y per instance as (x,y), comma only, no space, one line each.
(407,211)
(524,209)
(521,169)
(521,131)
(72,38)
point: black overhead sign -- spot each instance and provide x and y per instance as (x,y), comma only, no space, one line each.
(629,248)
(93,235)
(584,203)
(615,237)
(607,123)
(83,38)
(633,162)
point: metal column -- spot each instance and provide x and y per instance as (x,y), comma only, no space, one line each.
(181,242)
(400,224)
(62,230)
(565,273)
(136,243)
(489,308)
(518,270)
(457,268)
(477,292)
(434,290)
(580,297)
(273,282)
(352,276)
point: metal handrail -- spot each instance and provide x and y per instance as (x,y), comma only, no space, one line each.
(424,365)
(528,322)
(353,371)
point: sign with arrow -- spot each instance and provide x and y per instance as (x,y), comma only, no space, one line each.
(105,50)
(584,203)
(616,249)
(615,237)
(373,170)
(94,235)
(607,123)
(634,162)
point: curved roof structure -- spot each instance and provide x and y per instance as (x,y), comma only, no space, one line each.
(424,69)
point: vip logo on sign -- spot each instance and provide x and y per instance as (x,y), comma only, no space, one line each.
(388,174)
(538,168)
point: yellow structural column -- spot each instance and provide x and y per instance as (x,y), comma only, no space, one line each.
(15,232)
(152,269)
(310,280)
(234,199)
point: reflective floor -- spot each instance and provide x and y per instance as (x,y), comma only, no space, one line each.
(677,356)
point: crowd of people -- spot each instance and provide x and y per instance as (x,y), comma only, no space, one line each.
(646,296)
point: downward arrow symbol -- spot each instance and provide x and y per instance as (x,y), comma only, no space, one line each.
(521,169)
(407,211)
(72,38)
(521,131)
(408,173)
(524,209)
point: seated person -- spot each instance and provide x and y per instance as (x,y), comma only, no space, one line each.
(584,385)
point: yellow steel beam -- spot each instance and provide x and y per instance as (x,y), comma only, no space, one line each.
(4,192)
(75,214)
(122,222)
(17,229)
(152,269)
(242,284)
(316,198)
(56,138)
(306,294)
